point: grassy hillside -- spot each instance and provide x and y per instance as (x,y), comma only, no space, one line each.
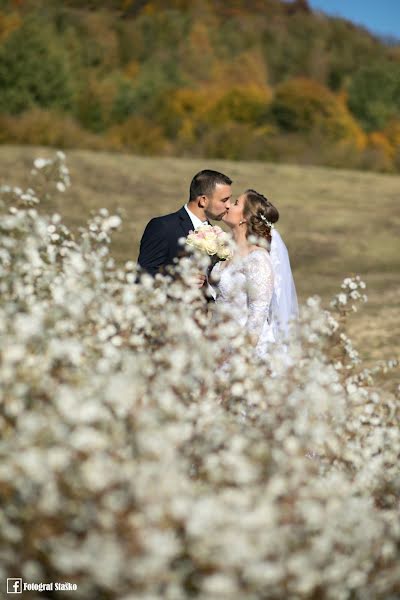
(335,222)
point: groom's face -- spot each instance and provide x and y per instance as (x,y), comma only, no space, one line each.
(218,204)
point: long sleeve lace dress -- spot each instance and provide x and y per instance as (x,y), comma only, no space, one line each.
(244,288)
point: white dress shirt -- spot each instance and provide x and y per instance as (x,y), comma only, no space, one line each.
(194,218)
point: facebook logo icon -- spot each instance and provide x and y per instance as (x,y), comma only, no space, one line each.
(14,586)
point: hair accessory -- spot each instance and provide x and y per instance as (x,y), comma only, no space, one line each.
(264,218)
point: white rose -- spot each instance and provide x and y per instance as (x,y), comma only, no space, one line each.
(210,246)
(224,252)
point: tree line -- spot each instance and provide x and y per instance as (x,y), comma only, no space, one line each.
(240,80)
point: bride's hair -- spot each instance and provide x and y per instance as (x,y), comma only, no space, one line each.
(257,211)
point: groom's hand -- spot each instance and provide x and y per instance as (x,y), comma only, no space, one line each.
(200,280)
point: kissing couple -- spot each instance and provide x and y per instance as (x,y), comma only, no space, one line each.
(256,285)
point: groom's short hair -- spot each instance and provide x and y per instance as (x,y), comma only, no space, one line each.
(204,182)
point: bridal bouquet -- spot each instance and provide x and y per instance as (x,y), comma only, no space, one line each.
(212,240)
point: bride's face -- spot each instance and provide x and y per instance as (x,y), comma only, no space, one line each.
(235,214)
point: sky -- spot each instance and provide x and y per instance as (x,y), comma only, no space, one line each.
(382,17)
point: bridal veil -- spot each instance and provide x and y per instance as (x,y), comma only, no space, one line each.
(284,306)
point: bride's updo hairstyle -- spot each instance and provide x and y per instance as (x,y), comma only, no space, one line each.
(258,212)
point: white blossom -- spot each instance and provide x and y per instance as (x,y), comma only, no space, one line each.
(146,454)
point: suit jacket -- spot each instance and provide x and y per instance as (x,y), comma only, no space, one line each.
(159,244)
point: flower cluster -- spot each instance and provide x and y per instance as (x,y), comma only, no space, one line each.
(348,298)
(48,175)
(212,240)
(137,461)
(54,170)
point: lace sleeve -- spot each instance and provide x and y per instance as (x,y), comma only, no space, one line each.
(260,287)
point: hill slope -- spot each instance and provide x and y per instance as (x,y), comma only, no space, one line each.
(335,222)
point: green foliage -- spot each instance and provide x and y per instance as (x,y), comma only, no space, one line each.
(288,46)
(90,111)
(200,72)
(158,36)
(374,94)
(148,91)
(236,36)
(347,48)
(125,101)
(34,70)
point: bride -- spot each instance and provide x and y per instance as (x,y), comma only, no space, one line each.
(256,286)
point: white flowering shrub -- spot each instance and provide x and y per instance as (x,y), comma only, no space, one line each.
(146,453)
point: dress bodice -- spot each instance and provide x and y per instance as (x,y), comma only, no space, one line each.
(244,288)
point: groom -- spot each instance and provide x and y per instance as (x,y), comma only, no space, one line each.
(209,198)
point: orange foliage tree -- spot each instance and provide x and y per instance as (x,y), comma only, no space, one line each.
(245,104)
(303,105)
(379,152)
(138,135)
(184,112)
(9,22)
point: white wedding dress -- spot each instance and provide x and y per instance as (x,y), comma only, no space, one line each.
(259,294)
(244,288)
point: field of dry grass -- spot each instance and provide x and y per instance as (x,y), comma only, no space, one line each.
(334,222)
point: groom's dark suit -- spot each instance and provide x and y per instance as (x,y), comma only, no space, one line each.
(159,244)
